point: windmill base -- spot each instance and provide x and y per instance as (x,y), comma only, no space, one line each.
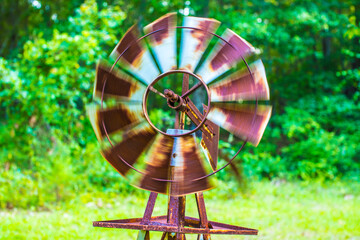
(175,225)
(191,226)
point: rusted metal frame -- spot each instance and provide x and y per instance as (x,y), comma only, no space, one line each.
(209,129)
(204,223)
(162,226)
(177,118)
(176,205)
(194,223)
(173,211)
(201,209)
(182,199)
(185,87)
(149,208)
(196,116)
(212,144)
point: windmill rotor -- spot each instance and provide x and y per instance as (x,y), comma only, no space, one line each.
(140,62)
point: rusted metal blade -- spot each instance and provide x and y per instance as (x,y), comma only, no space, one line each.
(158,165)
(245,121)
(242,86)
(224,56)
(134,143)
(194,42)
(136,58)
(187,166)
(117,84)
(163,41)
(114,119)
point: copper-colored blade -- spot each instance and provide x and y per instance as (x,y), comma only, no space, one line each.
(134,143)
(117,84)
(224,56)
(163,42)
(241,86)
(187,166)
(137,58)
(114,118)
(245,121)
(194,42)
(158,165)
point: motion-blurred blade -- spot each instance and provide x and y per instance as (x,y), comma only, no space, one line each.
(163,42)
(186,163)
(117,84)
(136,58)
(224,56)
(245,121)
(242,86)
(158,165)
(194,42)
(115,118)
(134,143)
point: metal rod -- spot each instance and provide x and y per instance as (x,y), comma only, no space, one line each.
(196,86)
(157,92)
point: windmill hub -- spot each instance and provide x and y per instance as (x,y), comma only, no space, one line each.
(174,101)
(173,97)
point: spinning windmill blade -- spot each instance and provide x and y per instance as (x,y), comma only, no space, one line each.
(133,56)
(124,155)
(195,39)
(171,163)
(116,84)
(113,119)
(164,41)
(242,86)
(225,55)
(247,121)
(239,119)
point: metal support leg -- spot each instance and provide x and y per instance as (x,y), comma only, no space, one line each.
(204,223)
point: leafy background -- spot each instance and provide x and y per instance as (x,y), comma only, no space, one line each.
(48,52)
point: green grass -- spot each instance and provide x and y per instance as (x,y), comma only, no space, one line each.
(279,210)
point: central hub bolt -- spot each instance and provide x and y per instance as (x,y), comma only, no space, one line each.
(174,101)
(173,97)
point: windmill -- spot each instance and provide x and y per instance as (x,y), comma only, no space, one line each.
(181,159)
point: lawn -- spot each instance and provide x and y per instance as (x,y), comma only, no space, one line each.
(280,210)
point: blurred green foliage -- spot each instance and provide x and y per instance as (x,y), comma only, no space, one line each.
(310,49)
